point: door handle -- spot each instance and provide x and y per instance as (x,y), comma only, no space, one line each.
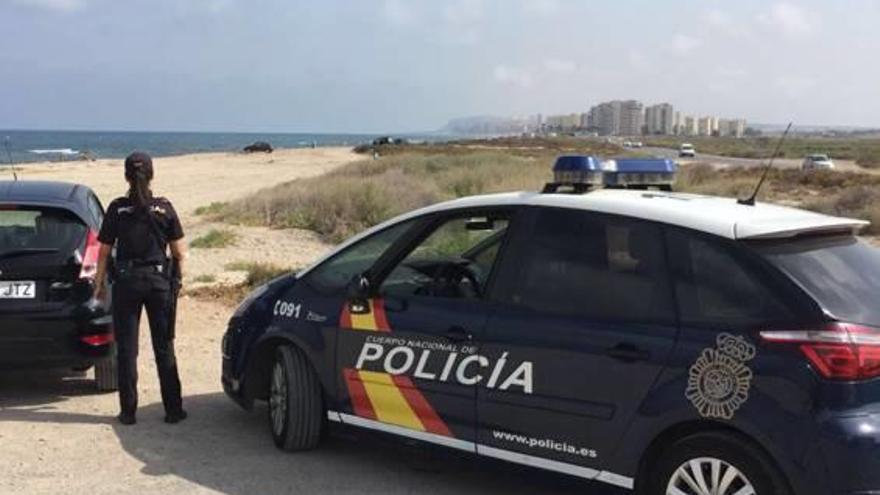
(628,353)
(458,334)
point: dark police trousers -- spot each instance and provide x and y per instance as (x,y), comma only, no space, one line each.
(142,288)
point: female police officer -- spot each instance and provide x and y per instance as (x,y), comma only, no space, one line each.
(143,227)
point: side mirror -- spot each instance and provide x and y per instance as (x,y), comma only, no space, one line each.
(358,292)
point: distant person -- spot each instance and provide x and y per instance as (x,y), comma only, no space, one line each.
(143,228)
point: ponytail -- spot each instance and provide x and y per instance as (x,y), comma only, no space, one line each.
(139,189)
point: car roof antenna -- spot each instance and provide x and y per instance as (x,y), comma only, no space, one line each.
(750,201)
(9,156)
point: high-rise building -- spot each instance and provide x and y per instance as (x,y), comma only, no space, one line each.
(732,128)
(705,126)
(690,126)
(604,118)
(631,118)
(660,119)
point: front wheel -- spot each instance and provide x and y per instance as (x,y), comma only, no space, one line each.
(295,406)
(715,463)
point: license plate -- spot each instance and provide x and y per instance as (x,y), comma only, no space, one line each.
(18,290)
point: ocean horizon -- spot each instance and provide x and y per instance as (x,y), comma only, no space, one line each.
(27,146)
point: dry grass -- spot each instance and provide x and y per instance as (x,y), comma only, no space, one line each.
(362,194)
(847,194)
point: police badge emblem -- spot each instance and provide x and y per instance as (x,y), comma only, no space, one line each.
(719,381)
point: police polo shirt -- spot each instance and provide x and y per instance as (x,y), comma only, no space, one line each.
(131,231)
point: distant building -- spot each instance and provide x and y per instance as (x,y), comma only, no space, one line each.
(705,126)
(660,119)
(732,128)
(604,118)
(631,118)
(690,127)
(564,123)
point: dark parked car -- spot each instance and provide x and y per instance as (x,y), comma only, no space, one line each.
(48,259)
(258,147)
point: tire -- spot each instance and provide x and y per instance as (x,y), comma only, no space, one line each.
(709,451)
(296,410)
(106,376)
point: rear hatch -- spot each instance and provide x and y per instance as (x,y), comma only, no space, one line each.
(41,259)
(842,274)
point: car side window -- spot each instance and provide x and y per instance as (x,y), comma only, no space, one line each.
(717,288)
(336,273)
(453,261)
(595,266)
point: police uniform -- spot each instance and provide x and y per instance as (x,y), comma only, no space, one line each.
(141,280)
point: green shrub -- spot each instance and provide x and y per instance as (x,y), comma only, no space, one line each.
(211,209)
(215,239)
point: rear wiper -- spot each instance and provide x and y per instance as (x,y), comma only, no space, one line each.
(27,252)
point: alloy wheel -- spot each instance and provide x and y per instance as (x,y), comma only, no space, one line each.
(278,399)
(709,476)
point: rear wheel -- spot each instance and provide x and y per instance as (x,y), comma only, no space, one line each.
(106,377)
(295,407)
(715,464)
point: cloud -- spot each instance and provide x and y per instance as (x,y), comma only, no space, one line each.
(683,44)
(540,7)
(398,13)
(716,18)
(54,5)
(513,76)
(559,66)
(794,86)
(464,12)
(788,18)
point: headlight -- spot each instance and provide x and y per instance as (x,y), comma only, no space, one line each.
(253,296)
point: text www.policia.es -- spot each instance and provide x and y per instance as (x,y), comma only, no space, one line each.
(544,443)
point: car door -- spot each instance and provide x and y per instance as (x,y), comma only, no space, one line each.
(584,327)
(406,357)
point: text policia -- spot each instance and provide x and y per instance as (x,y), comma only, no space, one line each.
(442,362)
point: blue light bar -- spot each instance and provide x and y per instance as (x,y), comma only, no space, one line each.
(640,173)
(572,170)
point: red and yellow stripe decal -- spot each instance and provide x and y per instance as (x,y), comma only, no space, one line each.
(392,399)
(374,320)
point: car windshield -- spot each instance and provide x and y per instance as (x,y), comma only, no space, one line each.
(819,158)
(39,230)
(841,272)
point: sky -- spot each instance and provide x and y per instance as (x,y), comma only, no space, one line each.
(408,66)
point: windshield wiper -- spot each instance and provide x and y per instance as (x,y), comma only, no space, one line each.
(27,252)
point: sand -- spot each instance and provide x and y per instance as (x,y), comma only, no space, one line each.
(55,432)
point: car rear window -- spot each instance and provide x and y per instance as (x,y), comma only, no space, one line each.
(39,228)
(841,272)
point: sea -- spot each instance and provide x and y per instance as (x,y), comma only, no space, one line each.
(40,146)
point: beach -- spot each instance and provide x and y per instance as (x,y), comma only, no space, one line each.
(55,430)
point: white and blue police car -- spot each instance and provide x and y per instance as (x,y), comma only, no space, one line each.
(605,328)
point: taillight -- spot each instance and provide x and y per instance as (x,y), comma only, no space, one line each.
(97,339)
(839,351)
(90,256)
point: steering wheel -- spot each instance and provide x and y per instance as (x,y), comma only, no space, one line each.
(450,275)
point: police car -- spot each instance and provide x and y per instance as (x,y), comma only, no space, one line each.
(662,342)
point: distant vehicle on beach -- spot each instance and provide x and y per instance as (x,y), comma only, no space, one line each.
(258,147)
